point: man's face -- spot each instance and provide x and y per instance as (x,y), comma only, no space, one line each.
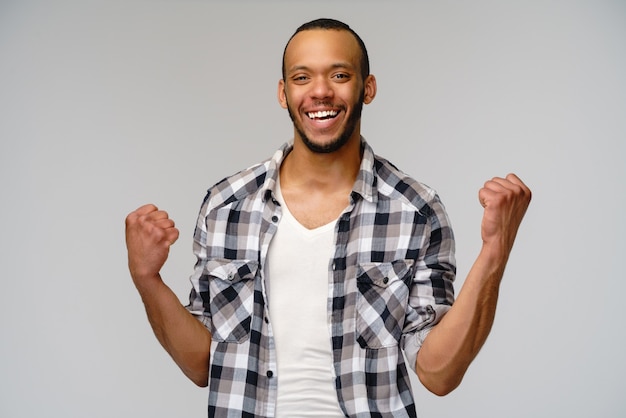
(323,89)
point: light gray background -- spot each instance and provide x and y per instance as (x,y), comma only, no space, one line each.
(106,105)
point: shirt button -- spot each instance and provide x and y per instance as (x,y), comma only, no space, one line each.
(274,218)
(386,280)
(269,373)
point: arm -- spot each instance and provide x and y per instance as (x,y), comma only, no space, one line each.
(149,235)
(453,344)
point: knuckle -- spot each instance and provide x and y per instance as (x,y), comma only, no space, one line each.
(131,219)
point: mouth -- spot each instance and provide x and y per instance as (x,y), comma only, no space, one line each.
(322,114)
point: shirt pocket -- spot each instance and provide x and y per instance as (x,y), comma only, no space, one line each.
(231,286)
(382,299)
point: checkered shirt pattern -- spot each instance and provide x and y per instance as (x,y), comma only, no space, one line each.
(392,279)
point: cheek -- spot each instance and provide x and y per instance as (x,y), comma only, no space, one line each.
(353,95)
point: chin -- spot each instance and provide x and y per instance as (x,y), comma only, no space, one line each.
(327,147)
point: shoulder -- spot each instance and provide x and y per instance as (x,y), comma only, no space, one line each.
(393,183)
(237,187)
(253,182)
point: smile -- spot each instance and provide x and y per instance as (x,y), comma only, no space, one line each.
(322,114)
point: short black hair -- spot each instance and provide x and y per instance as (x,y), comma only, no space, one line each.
(332,24)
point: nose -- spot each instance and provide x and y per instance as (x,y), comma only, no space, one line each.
(321,88)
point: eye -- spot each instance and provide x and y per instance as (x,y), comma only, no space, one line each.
(300,79)
(341,76)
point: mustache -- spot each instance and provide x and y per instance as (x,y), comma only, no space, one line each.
(323,103)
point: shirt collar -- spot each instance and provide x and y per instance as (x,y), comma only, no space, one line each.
(364,186)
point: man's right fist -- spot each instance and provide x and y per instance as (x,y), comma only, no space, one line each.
(149,234)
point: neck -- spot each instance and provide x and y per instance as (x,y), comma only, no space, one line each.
(309,170)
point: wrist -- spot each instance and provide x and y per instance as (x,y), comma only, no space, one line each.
(493,256)
(147,283)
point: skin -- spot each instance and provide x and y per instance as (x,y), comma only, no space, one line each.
(322,74)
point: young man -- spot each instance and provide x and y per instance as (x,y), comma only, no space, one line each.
(319,267)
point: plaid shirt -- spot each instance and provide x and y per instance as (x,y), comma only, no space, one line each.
(391,275)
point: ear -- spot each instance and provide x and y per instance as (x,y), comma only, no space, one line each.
(282,96)
(370,89)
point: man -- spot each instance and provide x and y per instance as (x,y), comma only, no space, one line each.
(317,268)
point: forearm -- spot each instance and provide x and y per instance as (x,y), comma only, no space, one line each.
(453,344)
(183,336)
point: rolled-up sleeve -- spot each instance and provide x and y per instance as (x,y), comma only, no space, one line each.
(199,294)
(432,291)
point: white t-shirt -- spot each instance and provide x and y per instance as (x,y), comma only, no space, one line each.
(298,292)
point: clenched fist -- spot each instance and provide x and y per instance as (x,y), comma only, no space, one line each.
(149,234)
(505,201)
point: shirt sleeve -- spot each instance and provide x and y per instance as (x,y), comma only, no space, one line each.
(432,291)
(198,298)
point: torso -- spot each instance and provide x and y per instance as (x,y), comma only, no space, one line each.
(297,271)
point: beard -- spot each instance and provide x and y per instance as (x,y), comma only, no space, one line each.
(336,143)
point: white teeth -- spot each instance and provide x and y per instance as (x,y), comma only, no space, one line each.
(322,114)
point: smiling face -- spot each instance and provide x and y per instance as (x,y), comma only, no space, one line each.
(323,89)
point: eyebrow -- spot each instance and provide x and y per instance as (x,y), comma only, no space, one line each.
(336,65)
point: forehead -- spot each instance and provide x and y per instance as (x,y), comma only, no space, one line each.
(321,46)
